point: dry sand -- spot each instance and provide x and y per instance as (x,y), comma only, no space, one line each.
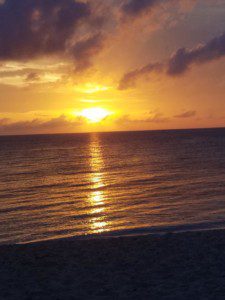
(175,266)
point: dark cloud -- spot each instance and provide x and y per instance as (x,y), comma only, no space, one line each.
(136,7)
(183,58)
(129,79)
(84,49)
(179,62)
(35,28)
(187,114)
(59,124)
(31,28)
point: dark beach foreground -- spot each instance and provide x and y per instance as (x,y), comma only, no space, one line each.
(173,266)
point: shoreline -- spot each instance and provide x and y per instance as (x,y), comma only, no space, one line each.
(156,231)
(169,266)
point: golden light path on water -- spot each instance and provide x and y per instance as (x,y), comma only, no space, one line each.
(97,196)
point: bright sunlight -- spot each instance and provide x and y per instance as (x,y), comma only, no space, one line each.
(95,114)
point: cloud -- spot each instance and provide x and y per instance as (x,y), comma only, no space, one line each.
(153,118)
(184,58)
(130,78)
(180,62)
(134,8)
(86,48)
(32,29)
(187,114)
(74,30)
(58,124)
(32,76)
(4,73)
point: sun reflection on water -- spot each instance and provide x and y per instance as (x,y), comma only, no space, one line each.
(97,196)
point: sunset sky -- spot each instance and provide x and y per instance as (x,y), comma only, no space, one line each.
(103,65)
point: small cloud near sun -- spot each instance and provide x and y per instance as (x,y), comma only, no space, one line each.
(90,88)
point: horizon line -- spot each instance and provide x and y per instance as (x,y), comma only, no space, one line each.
(113,131)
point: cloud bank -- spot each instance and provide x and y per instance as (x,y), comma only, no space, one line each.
(36,126)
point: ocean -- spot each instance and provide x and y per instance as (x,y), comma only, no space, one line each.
(111,184)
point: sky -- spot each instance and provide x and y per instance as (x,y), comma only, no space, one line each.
(97,65)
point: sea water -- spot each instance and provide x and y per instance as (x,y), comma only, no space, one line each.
(104,184)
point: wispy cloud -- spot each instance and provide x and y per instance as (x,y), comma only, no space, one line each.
(187,114)
(151,118)
(129,79)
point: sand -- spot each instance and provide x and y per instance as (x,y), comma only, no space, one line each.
(174,266)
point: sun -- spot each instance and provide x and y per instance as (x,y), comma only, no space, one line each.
(95,114)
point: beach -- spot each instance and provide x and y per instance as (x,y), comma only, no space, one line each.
(187,265)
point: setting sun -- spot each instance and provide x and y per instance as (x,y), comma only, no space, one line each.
(95,114)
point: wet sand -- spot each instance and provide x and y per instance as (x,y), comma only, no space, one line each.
(174,266)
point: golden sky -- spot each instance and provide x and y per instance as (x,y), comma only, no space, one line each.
(96,65)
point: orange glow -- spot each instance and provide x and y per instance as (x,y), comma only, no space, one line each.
(119,77)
